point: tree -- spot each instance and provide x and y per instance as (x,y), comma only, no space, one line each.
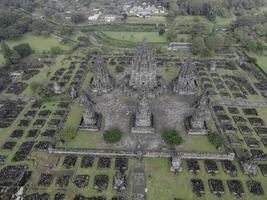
(39,26)
(215,42)
(171,35)
(83,41)
(55,51)
(11,56)
(170,136)
(173,9)
(124,16)
(112,135)
(161,31)
(119,69)
(23,49)
(216,139)
(198,45)
(78,18)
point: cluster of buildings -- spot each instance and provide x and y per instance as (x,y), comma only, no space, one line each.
(142,83)
(144,10)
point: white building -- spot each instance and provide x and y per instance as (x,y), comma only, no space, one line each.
(94,17)
(109,19)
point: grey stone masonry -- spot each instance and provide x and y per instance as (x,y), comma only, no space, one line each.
(143,117)
(91,120)
(195,124)
(185,83)
(142,74)
(102,82)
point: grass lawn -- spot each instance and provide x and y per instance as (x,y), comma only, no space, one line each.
(39,43)
(85,139)
(149,20)
(197,144)
(152,37)
(75,115)
(182,19)
(163,184)
(168,73)
(223,22)
(261,60)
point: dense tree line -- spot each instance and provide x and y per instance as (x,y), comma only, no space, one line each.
(211,8)
(28,5)
(18,52)
(251,32)
(13,24)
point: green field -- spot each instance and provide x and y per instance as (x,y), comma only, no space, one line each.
(261,60)
(164,185)
(152,37)
(39,43)
(149,20)
(168,73)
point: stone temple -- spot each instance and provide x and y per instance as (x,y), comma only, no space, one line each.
(185,83)
(91,120)
(143,73)
(102,82)
(195,123)
(143,119)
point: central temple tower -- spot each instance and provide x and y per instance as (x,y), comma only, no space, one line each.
(142,74)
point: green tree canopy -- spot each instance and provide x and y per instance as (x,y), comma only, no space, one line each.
(216,139)
(170,136)
(112,135)
(23,49)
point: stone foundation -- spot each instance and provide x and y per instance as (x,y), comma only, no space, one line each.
(92,127)
(192,131)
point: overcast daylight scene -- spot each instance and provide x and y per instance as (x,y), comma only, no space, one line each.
(133,99)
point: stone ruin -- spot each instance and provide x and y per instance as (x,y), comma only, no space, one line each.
(143,119)
(185,83)
(73,93)
(176,164)
(102,82)
(142,74)
(249,167)
(91,120)
(196,124)
(57,89)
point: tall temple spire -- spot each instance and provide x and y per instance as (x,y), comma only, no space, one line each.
(143,70)
(144,59)
(102,82)
(185,83)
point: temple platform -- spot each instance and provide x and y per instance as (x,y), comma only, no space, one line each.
(194,131)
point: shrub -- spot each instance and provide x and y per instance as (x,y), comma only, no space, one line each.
(112,135)
(119,69)
(216,139)
(171,137)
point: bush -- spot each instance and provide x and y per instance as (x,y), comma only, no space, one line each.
(215,139)
(23,49)
(171,137)
(112,135)
(119,69)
